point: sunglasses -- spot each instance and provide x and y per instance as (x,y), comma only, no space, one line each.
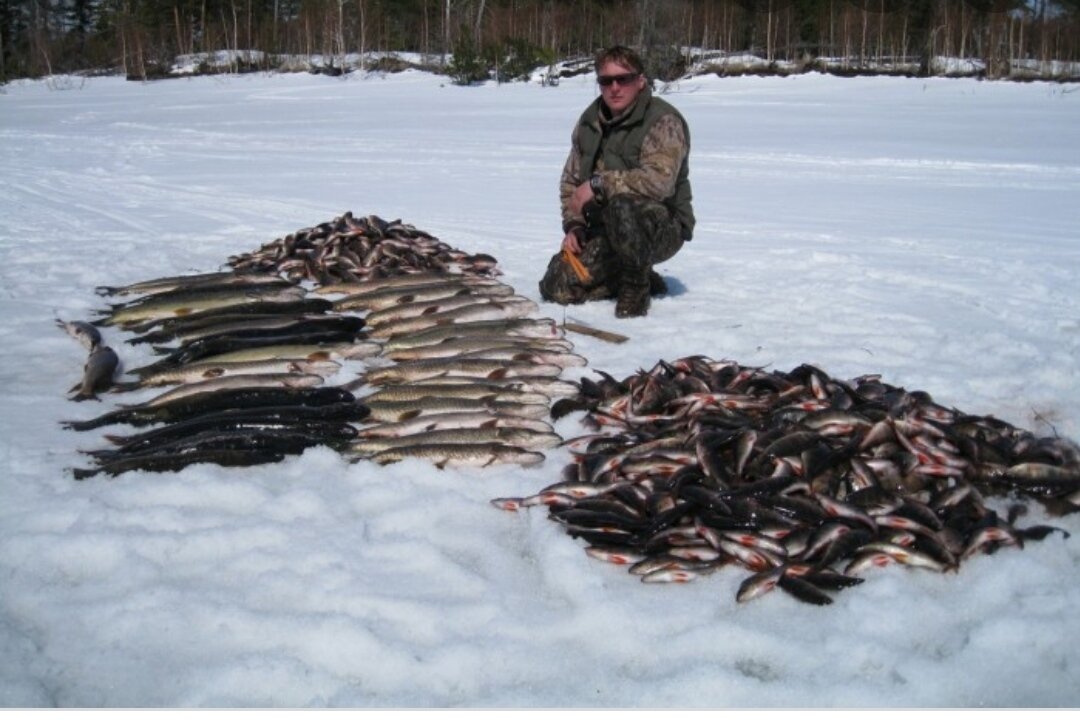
(621,80)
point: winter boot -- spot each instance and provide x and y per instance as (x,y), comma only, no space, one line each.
(633,299)
(657,286)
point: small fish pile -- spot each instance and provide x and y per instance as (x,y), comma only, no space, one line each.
(805,480)
(468,377)
(251,352)
(353,249)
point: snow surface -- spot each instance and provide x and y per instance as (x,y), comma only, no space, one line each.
(925,230)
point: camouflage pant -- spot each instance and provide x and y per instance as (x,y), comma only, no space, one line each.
(636,234)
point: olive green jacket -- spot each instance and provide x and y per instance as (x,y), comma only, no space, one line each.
(644,152)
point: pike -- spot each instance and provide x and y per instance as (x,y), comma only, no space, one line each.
(201,293)
(405,311)
(237,418)
(545,385)
(159,285)
(464,455)
(199,371)
(157,310)
(308,351)
(173,462)
(494,310)
(444,421)
(474,390)
(274,325)
(400,411)
(517,437)
(533,355)
(218,347)
(418,293)
(372,285)
(234,382)
(184,408)
(260,309)
(477,368)
(523,327)
(472,345)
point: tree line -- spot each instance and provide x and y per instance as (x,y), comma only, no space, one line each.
(473,39)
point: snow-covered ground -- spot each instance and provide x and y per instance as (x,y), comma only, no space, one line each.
(926,230)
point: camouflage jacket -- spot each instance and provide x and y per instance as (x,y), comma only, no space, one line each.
(643,152)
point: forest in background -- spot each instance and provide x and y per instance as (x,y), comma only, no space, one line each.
(477,39)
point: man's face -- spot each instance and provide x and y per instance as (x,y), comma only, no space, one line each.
(621,93)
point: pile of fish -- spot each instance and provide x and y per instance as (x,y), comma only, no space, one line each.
(251,352)
(467,377)
(350,249)
(461,374)
(804,480)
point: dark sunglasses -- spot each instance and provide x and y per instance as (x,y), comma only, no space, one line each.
(622,80)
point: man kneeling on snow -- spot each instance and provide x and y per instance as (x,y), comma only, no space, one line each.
(625,192)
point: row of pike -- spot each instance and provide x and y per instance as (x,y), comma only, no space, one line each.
(251,353)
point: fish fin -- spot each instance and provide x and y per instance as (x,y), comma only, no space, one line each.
(497,374)
(182,312)
(75,387)
(213,372)
(83,473)
(405,299)
(429,311)
(319,355)
(125,386)
(115,439)
(408,415)
(441,464)
(492,423)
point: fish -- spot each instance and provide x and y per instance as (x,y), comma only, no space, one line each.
(803,480)
(351,350)
(173,462)
(188,407)
(165,284)
(87,335)
(161,309)
(398,411)
(474,390)
(517,437)
(235,382)
(203,370)
(494,310)
(444,421)
(521,327)
(476,345)
(390,297)
(98,372)
(450,367)
(408,310)
(443,455)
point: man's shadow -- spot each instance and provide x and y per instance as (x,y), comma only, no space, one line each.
(675,287)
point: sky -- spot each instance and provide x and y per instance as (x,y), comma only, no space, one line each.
(921,229)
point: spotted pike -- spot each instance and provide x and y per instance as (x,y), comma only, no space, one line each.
(389,297)
(311,351)
(199,371)
(474,390)
(494,310)
(165,284)
(522,327)
(450,367)
(517,437)
(159,309)
(474,345)
(463,455)
(447,421)
(398,411)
